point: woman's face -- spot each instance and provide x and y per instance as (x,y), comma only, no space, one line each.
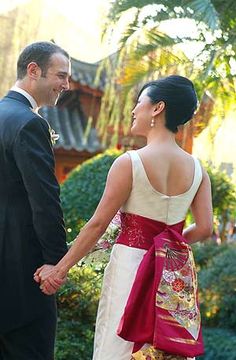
(142,115)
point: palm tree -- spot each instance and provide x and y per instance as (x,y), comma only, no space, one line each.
(146,51)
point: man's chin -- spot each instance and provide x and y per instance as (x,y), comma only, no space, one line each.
(53,102)
(56,101)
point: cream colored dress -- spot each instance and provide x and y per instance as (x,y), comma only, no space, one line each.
(120,272)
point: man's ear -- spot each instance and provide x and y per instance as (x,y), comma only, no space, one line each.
(33,70)
(158,108)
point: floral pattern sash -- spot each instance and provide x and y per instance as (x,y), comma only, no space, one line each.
(162,309)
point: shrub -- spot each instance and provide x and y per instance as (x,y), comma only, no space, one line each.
(217,283)
(223,198)
(81,192)
(223,191)
(77,307)
(206,251)
(220,344)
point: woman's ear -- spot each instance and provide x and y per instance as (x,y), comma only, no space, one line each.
(158,108)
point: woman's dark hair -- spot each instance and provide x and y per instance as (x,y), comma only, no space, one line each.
(179,96)
(39,52)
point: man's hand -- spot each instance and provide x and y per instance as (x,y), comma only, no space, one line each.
(49,279)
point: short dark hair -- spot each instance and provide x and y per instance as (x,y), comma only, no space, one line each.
(179,96)
(40,53)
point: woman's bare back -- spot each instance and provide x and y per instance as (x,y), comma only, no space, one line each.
(170,170)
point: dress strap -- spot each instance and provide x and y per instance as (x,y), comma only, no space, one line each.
(197,175)
(134,156)
(138,171)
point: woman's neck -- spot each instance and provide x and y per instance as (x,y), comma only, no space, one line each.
(160,136)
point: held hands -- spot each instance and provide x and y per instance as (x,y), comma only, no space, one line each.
(49,278)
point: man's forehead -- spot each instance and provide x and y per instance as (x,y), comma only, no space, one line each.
(60,63)
(58,58)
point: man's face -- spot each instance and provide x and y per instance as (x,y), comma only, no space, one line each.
(56,80)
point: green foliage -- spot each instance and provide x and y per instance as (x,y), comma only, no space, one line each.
(223,191)
(219,344)
(82,191)
(223,198)
(217,283)
(205,252)
(77,307)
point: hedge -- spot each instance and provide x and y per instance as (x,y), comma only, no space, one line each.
(81,192)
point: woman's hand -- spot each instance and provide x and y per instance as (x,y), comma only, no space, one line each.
(50,279)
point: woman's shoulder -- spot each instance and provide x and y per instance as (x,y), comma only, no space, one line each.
(122,161)
(121,170)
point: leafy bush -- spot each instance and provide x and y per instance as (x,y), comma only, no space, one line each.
(217,283)
(77,307)
(223,198)
(206,251)
(223,191)
(81,192)
(220,344)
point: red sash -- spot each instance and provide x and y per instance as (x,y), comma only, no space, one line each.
(162,308)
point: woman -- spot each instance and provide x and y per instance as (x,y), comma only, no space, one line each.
(148,305)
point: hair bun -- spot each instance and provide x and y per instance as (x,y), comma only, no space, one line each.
(180,98)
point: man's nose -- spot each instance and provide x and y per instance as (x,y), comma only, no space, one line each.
(66,84)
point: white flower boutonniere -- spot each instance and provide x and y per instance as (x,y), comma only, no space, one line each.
(54,136)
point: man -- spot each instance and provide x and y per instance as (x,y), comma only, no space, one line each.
(31,222)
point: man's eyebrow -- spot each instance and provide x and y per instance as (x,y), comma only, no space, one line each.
(63,73)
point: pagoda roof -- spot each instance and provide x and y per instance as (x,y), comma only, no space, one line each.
(85,74)
(73,130)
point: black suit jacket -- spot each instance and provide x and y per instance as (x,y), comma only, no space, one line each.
(31,222)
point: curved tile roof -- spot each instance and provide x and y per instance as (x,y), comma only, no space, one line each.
(85,74)
(68,124)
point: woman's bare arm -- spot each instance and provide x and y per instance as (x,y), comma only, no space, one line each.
(202,212)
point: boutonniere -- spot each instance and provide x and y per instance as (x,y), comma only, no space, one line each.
(54,136)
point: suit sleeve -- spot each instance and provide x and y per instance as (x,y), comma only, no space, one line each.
(35,160)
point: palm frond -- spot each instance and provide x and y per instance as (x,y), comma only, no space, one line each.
(130,30)
(153,65)
(120,6)
(205,11)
